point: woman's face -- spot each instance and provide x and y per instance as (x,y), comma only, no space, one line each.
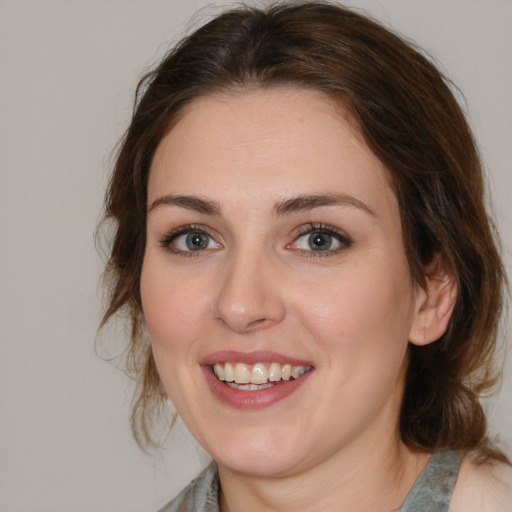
(274,246)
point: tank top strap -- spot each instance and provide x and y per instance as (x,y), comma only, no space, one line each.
(433,489)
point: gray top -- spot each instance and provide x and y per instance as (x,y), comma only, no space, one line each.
(431,492)
(433,488)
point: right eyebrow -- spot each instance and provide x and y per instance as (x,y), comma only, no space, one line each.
(193,203)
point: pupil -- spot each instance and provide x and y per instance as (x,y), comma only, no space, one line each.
(320,241)
(197,241)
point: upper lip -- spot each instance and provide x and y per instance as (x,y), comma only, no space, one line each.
(250,358)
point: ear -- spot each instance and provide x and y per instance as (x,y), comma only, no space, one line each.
(434,305)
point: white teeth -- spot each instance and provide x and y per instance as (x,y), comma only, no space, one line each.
(274,372)
(286,372)
(219,371)
(229,372)
(242,376)
(259,374)
(249,387)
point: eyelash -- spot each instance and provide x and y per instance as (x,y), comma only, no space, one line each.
(312,228)
(168,239)
(309,229)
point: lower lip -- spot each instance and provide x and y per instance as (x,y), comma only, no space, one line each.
(257,399)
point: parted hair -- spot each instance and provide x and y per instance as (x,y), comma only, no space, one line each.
(409,117)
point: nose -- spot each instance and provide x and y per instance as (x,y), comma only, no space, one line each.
(250,294)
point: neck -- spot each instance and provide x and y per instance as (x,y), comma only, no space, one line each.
(374,476)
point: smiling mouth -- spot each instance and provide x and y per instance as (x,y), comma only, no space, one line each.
(258,376)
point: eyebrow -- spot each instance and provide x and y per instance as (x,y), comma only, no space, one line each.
(309,202)
(287,206)
(193,203)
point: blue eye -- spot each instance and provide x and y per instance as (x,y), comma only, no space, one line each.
(189,239)
(317,242)
(192,242)
(321,239)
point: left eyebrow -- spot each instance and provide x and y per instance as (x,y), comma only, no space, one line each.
(309,202)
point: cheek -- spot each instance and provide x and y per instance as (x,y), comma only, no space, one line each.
(360,317)
(172,308)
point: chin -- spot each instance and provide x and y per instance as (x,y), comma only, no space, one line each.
(258,455)
(258,465)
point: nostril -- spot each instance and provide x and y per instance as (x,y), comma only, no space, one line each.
(241,326)
(261,323)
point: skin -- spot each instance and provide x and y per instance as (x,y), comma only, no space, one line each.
(482,487)
(350,311)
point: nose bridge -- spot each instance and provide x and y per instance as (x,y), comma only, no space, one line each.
(249,296)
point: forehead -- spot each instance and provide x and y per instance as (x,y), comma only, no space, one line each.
(274,142)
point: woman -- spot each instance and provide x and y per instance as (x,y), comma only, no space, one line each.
(312,277)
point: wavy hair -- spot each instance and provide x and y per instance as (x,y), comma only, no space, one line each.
(410,119)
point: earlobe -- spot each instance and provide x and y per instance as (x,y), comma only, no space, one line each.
(435,304)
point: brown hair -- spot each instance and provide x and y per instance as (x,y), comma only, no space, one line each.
(410,119)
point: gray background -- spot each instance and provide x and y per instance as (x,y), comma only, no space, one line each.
(68,73)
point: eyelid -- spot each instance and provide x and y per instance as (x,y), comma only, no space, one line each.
(173,234)
(319,227)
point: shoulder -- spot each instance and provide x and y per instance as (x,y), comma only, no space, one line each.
(201,495)
(482,486)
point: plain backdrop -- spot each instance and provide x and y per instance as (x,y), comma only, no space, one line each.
(68,73)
